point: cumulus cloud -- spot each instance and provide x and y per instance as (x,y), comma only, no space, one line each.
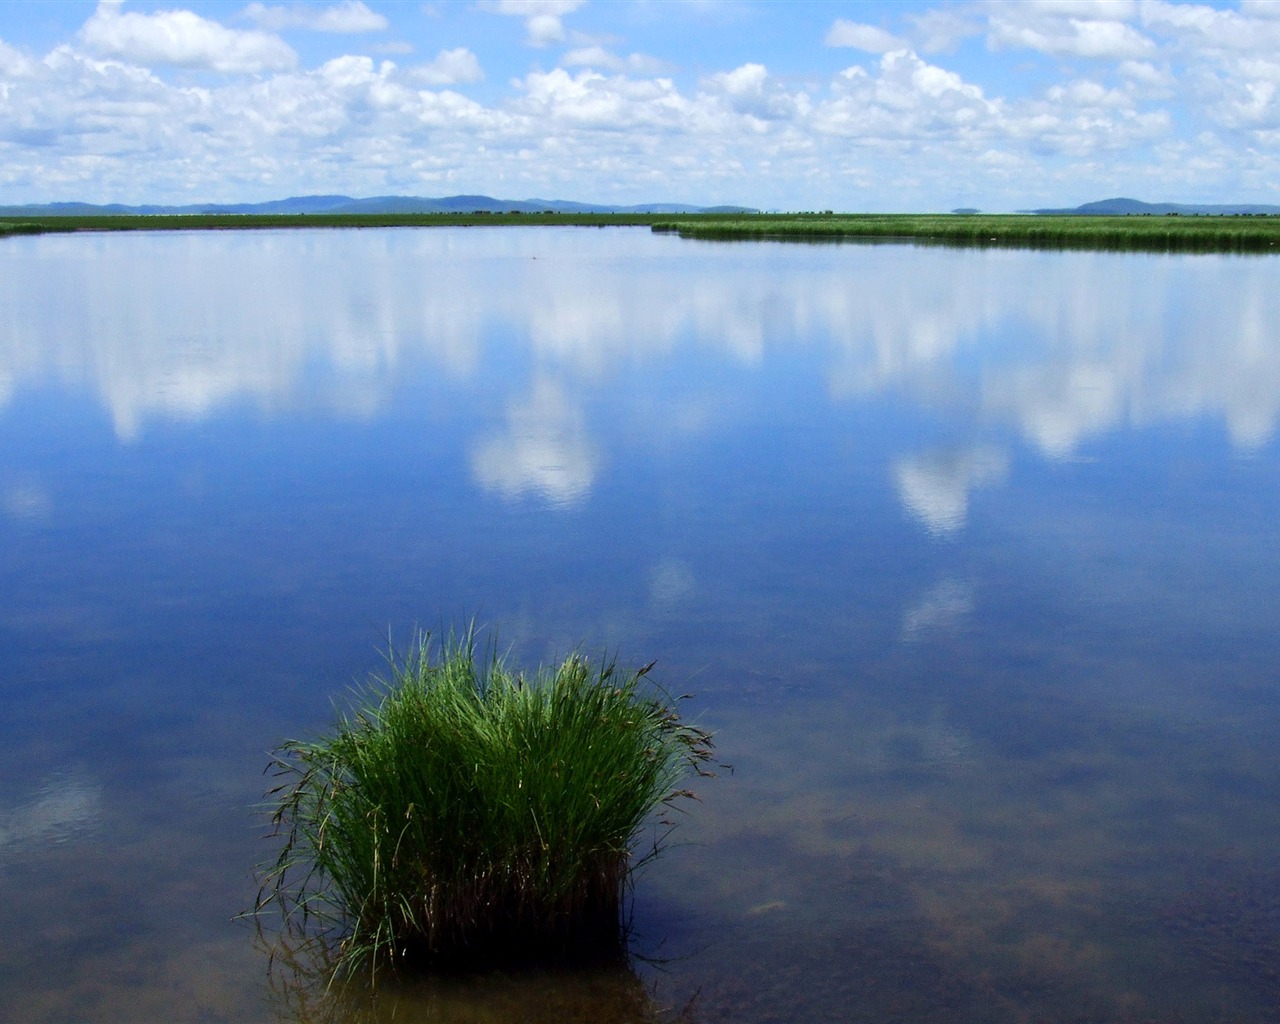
(181,39)
(1147,75)
(450,67)
(347,17)
(12,63)
(900,131)
(749,90)
(592,100)
(1204,27)
(909,98)
(542,18)
(861,37)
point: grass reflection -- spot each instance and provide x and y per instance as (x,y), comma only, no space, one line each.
(303,989)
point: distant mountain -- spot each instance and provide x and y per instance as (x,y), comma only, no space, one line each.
(1135,207)
(348,205)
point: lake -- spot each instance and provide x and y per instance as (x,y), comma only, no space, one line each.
(969,557)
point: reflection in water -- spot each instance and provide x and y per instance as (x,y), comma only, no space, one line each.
(63,808)
(940,609)
(544,450)
(953,547)
(671,581)
(936,487)
(1116,341)
(26,501)
(301,992)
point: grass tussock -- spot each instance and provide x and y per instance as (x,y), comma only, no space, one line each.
(464,812)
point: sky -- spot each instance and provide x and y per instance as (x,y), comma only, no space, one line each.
(998,105)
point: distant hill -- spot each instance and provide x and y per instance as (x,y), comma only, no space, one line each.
(1135,207)
(348,205)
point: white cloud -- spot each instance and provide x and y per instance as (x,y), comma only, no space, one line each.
(12,63)
(1069,28)
(941,30)
(909,99)
(1209,28)
(599,57)
(542,18)
(898,132)
(861,37)
(592,100)
(1086,94)
(1260,8)
(1147,75)
(181,39)
(450,67)
(749,90)
(347,17)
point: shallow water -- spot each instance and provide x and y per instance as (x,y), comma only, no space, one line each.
(969,556)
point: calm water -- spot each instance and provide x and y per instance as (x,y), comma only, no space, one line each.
(971,558)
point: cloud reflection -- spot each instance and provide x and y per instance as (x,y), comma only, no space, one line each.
(62,808)
(544,451)
(26,501)
(940,609)
(1059,348)
(935,487)
(670,582)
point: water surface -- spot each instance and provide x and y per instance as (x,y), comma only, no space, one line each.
(969,556)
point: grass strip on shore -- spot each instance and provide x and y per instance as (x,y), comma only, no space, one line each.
(464,814)
(1253,234)
(1228,234)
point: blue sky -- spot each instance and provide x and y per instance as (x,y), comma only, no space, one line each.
(1000,105)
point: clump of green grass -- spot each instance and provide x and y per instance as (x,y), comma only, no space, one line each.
(463,812)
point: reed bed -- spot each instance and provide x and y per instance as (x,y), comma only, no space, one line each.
(1160,234)
(463,813)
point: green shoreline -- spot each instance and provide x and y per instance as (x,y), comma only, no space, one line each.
(1229,234)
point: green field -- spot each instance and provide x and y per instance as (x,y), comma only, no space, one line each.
(1257,234)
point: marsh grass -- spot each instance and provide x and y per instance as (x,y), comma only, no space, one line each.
(1243,234)
(463,813)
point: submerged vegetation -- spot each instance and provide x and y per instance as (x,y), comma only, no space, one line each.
(464,813)
(1168,233)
